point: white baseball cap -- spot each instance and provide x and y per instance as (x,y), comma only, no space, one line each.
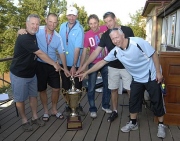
(72,10)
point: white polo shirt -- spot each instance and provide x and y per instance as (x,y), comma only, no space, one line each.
(138,63)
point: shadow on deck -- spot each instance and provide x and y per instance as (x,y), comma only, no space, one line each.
(93,129)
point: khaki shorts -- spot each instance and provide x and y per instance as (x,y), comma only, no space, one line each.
(114,77)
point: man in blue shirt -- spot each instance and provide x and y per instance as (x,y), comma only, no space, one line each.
(50,42)
(141,61)
(72,34)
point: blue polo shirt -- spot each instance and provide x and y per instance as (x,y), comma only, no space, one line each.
(56,44)
(138,63)
(75,40)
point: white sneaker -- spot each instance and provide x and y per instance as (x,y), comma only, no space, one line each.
(161,131)
(93,114)
(108,111)
(129,126)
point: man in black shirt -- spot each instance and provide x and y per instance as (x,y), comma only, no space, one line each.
(116,70)
(22,71)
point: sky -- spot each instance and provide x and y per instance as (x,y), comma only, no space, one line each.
(121,8)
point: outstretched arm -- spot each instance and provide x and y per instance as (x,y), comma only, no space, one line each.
(96,67)
(91,58)
(48,60)
(159,76)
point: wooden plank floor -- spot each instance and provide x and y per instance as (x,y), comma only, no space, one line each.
(93,129)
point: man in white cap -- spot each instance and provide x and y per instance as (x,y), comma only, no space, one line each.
(72,34)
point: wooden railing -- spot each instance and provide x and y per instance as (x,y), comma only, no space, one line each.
(2,79)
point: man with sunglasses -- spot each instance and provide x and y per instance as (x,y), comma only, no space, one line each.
(142,62)
(116,70)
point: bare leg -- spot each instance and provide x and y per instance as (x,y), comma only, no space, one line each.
(161,119)
(21,109)
(133,115)
(44,100)
(114,97)
(33,104)
(128,92)
(54,100)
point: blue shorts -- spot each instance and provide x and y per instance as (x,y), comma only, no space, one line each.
(23,88)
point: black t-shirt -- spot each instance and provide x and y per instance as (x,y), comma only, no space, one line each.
(106,42)
(24,60)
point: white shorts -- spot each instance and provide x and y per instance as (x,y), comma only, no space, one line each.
(114,77)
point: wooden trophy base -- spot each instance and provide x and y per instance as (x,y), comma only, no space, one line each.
(74,123)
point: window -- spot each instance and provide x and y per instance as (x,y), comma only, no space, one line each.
(177,38)
(173,27)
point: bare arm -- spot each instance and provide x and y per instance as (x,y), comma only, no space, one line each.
(48,60)
(159,76)
(96,67)
(93,55)
(91,58)
(75,60)
(63,60)
(83,56)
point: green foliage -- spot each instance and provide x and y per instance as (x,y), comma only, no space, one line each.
(8,22)
(138,24)
(4,88)
(13,18)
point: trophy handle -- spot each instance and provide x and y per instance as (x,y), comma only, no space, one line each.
(63,93)
(83,89)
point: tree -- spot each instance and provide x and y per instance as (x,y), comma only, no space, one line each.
(138,24)
(12,18)
(8,23)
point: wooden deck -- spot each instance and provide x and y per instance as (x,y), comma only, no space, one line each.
(93,129)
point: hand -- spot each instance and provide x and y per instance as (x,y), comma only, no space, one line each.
(66,72)
(81,69)
(81,76)
(159,77)
(22,31)
(57,67)
(73,71)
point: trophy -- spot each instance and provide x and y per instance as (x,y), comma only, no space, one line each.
(73,96)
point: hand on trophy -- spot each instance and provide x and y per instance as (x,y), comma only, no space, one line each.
(81,76)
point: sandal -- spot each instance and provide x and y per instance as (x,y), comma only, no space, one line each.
(58,115)
(45,117)
(38,122)
(27,127)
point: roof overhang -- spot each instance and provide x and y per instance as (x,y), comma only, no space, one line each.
(150,4)
(170,8)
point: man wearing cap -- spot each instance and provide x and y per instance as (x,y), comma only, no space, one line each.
(72,34)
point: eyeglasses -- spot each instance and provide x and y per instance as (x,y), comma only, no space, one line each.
(113,29)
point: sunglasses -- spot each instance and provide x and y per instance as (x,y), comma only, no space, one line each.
(108,13)
(113,29)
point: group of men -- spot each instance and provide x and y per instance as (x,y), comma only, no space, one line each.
(35,64)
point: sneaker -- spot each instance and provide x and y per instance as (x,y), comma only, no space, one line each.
(80,111)
(161,131)
(113,116)
(93,114)
(108,111)
(129,126)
